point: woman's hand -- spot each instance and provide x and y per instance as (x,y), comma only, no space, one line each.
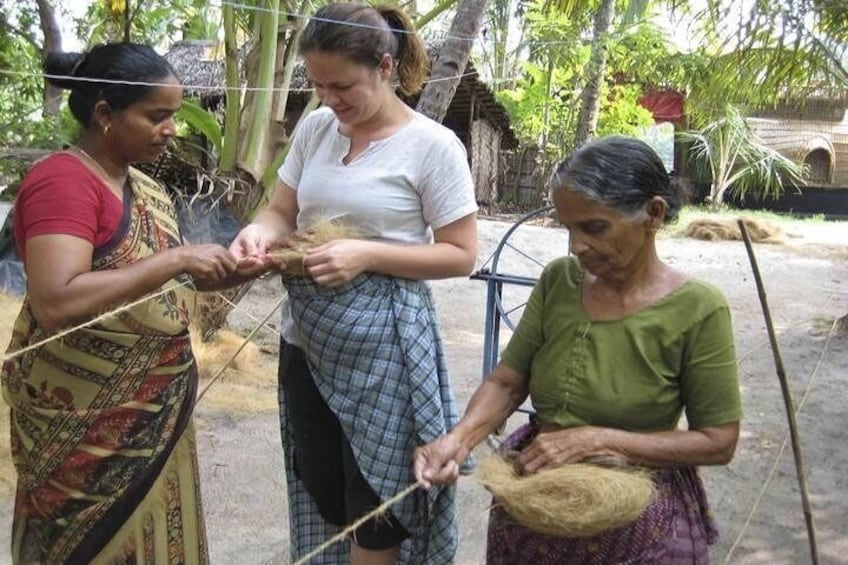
(207,264)
(250,248)
(438,462)
(556,448)
(338,262)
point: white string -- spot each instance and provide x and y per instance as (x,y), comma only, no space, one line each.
(191,86)
(367,26)
(327,20)
(164,290)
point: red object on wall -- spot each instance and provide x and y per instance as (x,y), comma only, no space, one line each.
(665,105)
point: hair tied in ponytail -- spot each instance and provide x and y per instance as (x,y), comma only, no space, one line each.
(77,65)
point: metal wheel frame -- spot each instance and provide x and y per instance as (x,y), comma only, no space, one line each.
(496,312)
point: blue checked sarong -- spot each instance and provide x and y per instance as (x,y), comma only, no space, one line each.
(375,353)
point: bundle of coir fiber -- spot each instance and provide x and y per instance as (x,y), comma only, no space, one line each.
(574,500)
(293,251)
(727,229)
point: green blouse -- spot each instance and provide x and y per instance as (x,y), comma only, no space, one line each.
(635,373)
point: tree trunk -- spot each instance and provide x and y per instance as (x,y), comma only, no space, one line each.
(52,42)
(255,140)
(590,98)
(452,60)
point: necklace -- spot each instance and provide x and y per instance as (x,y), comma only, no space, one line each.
(100,167)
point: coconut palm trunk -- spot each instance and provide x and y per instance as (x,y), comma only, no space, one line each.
(590,98)
(453,57)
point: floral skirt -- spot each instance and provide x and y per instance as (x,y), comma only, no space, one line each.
(675,529)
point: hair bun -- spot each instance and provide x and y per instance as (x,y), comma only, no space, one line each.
(60,65)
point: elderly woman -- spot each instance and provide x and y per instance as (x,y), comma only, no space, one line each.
(613,346)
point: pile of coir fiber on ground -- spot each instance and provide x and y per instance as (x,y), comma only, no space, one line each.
(247,385)
(727,229)
(574,500)
(11,305)
(293,251)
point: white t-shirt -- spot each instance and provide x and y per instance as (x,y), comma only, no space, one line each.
(399,189)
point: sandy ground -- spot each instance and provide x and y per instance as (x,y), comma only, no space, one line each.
(755,499)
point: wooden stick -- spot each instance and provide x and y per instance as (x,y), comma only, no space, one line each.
(787,398)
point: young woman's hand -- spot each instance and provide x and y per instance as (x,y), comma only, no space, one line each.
(250,248)
(338,262)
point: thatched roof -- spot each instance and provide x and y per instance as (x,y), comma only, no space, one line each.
(202,63)
(199,63)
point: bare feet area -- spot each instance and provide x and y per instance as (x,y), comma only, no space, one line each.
(755,500)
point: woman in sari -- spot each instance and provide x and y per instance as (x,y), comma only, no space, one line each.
(101,419)
(613,346)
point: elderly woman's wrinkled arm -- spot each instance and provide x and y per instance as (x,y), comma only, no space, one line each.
(494,401)
(713,445)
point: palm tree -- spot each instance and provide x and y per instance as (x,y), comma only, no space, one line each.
(735,158)
(452,59)
(590,97)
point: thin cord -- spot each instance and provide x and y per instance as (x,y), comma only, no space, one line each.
(244,343)
(190,86)
(252,318)
(328,20)
(99,318)
(298,15)
(780,451)
(377,512)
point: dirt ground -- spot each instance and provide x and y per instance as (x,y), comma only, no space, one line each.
(755,499)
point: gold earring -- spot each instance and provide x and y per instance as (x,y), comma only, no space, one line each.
(106,130)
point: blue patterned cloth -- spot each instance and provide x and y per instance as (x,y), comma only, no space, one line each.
(375,353)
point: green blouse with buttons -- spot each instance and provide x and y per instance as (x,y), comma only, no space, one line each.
(637,373)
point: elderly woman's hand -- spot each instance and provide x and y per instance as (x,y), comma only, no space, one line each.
(438,462)
(555,448)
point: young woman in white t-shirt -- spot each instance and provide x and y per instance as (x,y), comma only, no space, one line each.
(402,182)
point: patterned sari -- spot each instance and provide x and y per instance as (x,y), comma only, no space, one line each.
(101,419)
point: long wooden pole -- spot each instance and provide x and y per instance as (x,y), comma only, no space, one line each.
(787,398)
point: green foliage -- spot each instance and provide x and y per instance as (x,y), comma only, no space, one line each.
(644,54)
(202,121)
(544,103)
(776,51)
(22,88)
(621,113)
(156,22)
(734,158)
(543,106)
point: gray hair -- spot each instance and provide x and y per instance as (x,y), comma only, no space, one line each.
(620,172)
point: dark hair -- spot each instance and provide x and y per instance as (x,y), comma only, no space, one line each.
(110,62)
(620,172)
(375,32)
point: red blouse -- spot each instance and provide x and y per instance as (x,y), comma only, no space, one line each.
(61,195)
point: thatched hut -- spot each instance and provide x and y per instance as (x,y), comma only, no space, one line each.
(479,120)
(200,65)
(815,133)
